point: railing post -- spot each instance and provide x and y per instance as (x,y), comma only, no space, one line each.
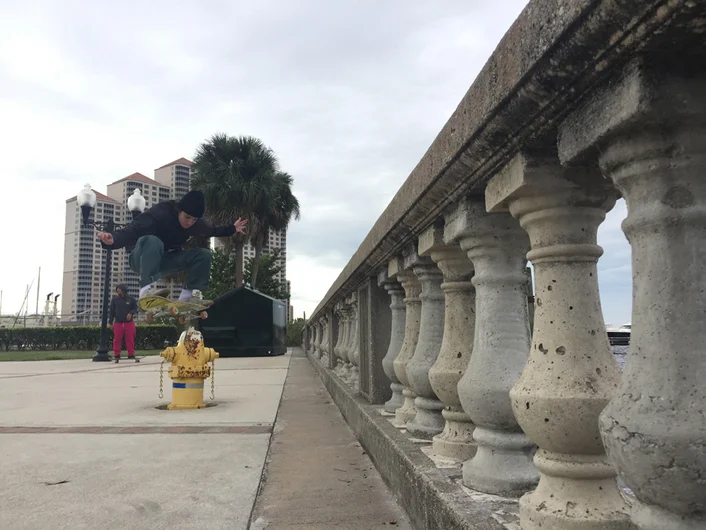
(456,441)
(412,289)
(496,245)
(571,373)
(647,130)
(397,328)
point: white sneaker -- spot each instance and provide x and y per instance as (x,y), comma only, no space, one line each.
(153,291)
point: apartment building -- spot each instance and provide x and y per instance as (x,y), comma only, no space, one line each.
(84,258)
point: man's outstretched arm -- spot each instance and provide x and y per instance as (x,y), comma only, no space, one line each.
(141,226)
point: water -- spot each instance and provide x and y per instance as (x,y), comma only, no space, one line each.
(621,353)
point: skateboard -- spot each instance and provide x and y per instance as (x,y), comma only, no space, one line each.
(157,307)
(137,359)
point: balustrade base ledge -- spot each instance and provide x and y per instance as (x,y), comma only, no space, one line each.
(433,498)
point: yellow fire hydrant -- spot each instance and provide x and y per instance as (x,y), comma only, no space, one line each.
(189,370)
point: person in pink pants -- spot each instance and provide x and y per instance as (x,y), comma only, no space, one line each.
(123,309)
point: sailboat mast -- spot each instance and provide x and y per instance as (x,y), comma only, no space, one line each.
(39,277)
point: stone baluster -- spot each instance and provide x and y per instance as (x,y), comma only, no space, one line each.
(313,337)
(496,244)
(413,306)
(341,340)
(647,129)
(428,422)
(324,344)
(456,441)
(320,339)
(397,306)
(345,345)
(354,350)
(571,373)
(339,336)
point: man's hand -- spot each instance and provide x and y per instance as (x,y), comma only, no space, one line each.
(106,238)
(110,325)
(129,317)
(240,225)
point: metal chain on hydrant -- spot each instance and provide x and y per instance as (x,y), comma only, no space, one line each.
(161,379)
(213,380)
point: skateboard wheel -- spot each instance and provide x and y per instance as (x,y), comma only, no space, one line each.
(173,311)
(182,320)
(204,315)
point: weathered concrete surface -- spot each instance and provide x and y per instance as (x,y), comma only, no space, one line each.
(79,393)
(571,373)
(317,475)
(554,51)
(115,482)
(432,498)
(654,430)
(125,463)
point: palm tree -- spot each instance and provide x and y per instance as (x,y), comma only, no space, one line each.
(236,176)
(275,212)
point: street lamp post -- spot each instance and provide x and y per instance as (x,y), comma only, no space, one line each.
(87,201)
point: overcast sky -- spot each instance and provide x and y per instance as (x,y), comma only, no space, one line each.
(349,95)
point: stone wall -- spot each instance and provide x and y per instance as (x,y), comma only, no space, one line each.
(580,104)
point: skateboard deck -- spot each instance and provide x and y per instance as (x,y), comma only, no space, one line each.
(126,358)
(157,307)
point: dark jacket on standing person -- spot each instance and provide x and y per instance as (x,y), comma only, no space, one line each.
(162,220)
(121,306)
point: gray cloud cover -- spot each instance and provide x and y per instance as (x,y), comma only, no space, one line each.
(349,95)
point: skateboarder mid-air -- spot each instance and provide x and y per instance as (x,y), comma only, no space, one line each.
(123,309)
(155,241)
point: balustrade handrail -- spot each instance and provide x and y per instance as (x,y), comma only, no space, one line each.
(553,53)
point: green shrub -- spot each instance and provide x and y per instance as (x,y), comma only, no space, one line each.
(295,333)
(149,337)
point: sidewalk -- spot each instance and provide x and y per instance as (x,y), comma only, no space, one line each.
(84,446)
(317,476)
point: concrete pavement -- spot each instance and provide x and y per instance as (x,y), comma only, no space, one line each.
(84,445)
(317,476)
(152,476)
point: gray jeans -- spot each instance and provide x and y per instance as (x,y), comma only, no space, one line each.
(151,262)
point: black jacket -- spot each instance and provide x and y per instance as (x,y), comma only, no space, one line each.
(162,220)
(120,306)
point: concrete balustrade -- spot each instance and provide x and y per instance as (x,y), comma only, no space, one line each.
(510,408)
(354,344)
(428,421)
(571,373)
(654,428)
(397,332)
(342,336)
(496,245)
(325,343)
(413,310)
(456,440)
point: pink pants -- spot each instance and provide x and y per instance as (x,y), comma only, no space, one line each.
(126,329)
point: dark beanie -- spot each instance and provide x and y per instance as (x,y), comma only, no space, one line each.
(193,204)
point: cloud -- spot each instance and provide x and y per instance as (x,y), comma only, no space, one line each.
(349,95)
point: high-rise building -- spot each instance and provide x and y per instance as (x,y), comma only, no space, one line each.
(154,193)
(84,258)
(84,261)
(176,176)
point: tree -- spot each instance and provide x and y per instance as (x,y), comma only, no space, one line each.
(269,267)
(236,176)
(295,332)
(276,210)
(223,275)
